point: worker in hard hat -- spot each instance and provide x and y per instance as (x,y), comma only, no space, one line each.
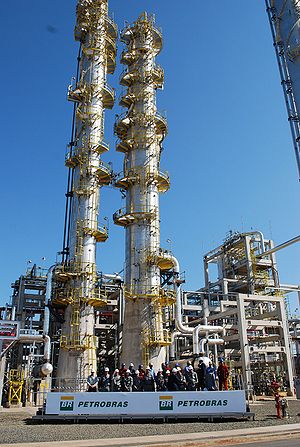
(176,380)
(151,369)
(131,368)
(105,381)
(127,382)
(201,372)
(160,381)
(191,379)
(116,381)
(148,383)
(92,382)
(166,367)
(122,370)
(278,404)
(223,374)
(181,380)
(210,378)
(136,380)
(186,369)
(167,379)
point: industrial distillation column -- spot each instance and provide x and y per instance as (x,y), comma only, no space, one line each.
(284,18)
(141,131)
(97,34)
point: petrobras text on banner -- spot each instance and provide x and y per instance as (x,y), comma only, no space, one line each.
(168,403)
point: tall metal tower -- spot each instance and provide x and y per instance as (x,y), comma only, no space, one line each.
(141,131)
(284,18)
(97,34)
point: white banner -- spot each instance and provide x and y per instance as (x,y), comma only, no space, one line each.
(146,403)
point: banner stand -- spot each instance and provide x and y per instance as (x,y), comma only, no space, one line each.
(165,406)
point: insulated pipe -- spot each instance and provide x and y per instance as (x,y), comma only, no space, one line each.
(175,335)
(107,276)
(178,316)
(210,341)
(178,308)
(196,347)
(47,348)
(110,279)
(201,328)
(13,313)
(47,299)
(24,338)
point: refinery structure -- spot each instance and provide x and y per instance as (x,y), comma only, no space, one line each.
(70,319)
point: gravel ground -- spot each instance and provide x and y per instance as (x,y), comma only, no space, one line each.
(18,427)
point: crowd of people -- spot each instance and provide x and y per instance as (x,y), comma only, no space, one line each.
(206,377)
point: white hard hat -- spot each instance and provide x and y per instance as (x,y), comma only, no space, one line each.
(178,368)
(131,364)
(174,370)
(206,361)
(106,369)
(190,368)
(116,370)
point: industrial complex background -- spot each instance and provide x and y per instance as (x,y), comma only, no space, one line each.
(70,318)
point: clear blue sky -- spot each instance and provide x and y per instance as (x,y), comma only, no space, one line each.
(229,149)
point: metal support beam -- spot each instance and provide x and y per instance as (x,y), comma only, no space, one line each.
(244,345)
(286,337)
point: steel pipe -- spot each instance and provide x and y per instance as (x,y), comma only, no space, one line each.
(280,247)
(175,335)
(209,341)
(187,330)
(26,338)
(47,300)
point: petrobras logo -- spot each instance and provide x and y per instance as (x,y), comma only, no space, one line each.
(165,403)
(66,403)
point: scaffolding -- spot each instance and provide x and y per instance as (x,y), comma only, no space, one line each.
(243,294)
(15,387)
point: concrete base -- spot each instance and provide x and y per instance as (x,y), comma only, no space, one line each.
(77,363)
(139,417)
(135,333)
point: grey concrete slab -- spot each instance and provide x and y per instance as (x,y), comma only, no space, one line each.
(247,434)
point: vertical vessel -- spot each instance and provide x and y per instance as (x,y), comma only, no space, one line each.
(141,131)
(97,34)
(284,18)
